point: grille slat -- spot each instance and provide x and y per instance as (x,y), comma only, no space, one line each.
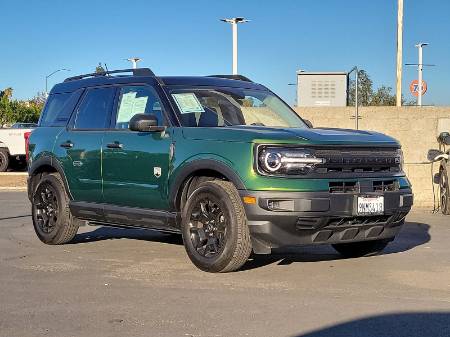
(357,160)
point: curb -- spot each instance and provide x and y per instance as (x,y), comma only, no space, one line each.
(6,188)
(13,174)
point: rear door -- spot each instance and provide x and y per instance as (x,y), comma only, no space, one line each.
(136,164)
(81,144)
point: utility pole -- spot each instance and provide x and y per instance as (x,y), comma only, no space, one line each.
(420,71)
(399,51)
(134,61)
(355,69)
(234,22)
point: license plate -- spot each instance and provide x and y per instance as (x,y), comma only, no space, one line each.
(370,205)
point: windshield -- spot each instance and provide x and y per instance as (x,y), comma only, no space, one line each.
(212,107)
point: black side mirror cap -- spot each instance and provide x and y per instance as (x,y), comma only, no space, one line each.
(145,123)
(432,154)
(308,123)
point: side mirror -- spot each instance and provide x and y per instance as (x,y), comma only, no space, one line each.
(145,123)
(308,123)
(444,138)
(433,154)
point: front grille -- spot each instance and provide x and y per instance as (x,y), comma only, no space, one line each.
(358,160)
(343,187)
(363,186)
(313,223)
(385,186)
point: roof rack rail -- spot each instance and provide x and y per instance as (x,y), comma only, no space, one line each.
(136,72)
(233,77)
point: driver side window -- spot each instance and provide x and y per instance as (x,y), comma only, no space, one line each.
(138,100)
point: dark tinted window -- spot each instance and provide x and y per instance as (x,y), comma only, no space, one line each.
(94,110)
(58,108)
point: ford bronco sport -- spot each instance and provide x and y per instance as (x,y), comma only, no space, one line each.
(220,159)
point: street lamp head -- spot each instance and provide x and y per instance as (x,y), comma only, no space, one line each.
(422,44)
(235,20)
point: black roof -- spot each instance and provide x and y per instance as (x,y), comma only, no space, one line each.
(144,75)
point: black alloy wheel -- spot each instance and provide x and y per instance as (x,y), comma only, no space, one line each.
(208,227)
(46,208)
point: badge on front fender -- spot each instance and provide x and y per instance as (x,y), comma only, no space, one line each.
(157,172)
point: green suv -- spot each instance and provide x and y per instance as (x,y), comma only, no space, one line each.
(220,159)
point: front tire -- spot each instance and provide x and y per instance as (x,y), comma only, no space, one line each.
(214,228)
(359,249)
(52,220)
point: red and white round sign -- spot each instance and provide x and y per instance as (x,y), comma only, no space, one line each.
(414,88)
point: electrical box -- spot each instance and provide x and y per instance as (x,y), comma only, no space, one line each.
(322,88)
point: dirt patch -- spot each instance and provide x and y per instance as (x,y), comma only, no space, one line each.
(13,180)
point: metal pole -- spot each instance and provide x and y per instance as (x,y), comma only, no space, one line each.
(420,69)
(235,48)
(356,101)
(51,74)
(399,51)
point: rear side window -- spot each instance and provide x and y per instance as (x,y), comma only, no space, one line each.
(58,108)
(95,109)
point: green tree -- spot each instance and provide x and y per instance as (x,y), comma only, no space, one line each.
(382,96)
(12,111)
(365,89)
(6,112)
(99,68)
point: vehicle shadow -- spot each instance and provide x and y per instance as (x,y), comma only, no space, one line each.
(113,233)
(435,324)
(413,234)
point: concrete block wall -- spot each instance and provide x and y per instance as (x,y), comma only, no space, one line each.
(416,129)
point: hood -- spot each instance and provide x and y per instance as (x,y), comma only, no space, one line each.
(319,136)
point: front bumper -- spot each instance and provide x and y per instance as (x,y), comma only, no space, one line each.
(321,218)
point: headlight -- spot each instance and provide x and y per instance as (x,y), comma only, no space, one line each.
(286,161)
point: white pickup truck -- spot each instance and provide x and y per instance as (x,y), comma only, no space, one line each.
(12,146)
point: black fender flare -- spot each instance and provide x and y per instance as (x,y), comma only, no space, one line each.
(47,161)
(202,164)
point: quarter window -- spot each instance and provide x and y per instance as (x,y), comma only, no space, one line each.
(138,100)
(94,110)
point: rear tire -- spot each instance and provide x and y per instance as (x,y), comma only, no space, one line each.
(214,228)
(52,220)
(4,160)
(363,248)
(444,191)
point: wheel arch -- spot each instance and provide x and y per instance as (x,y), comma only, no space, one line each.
(46,164)
(200,168)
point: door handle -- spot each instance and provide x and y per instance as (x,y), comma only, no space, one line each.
(67,145)
(115,145)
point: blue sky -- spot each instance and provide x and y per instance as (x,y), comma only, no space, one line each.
(186,38)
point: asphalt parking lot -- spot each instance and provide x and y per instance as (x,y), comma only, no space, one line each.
(115,282)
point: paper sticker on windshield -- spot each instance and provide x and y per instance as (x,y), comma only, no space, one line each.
(188,103)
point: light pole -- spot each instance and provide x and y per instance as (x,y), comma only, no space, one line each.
(134,61)
(399,51)
(420,70)
(51,74)
(234,22)
(357,118)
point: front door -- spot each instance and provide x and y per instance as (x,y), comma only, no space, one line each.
(136,164)
(79,147)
